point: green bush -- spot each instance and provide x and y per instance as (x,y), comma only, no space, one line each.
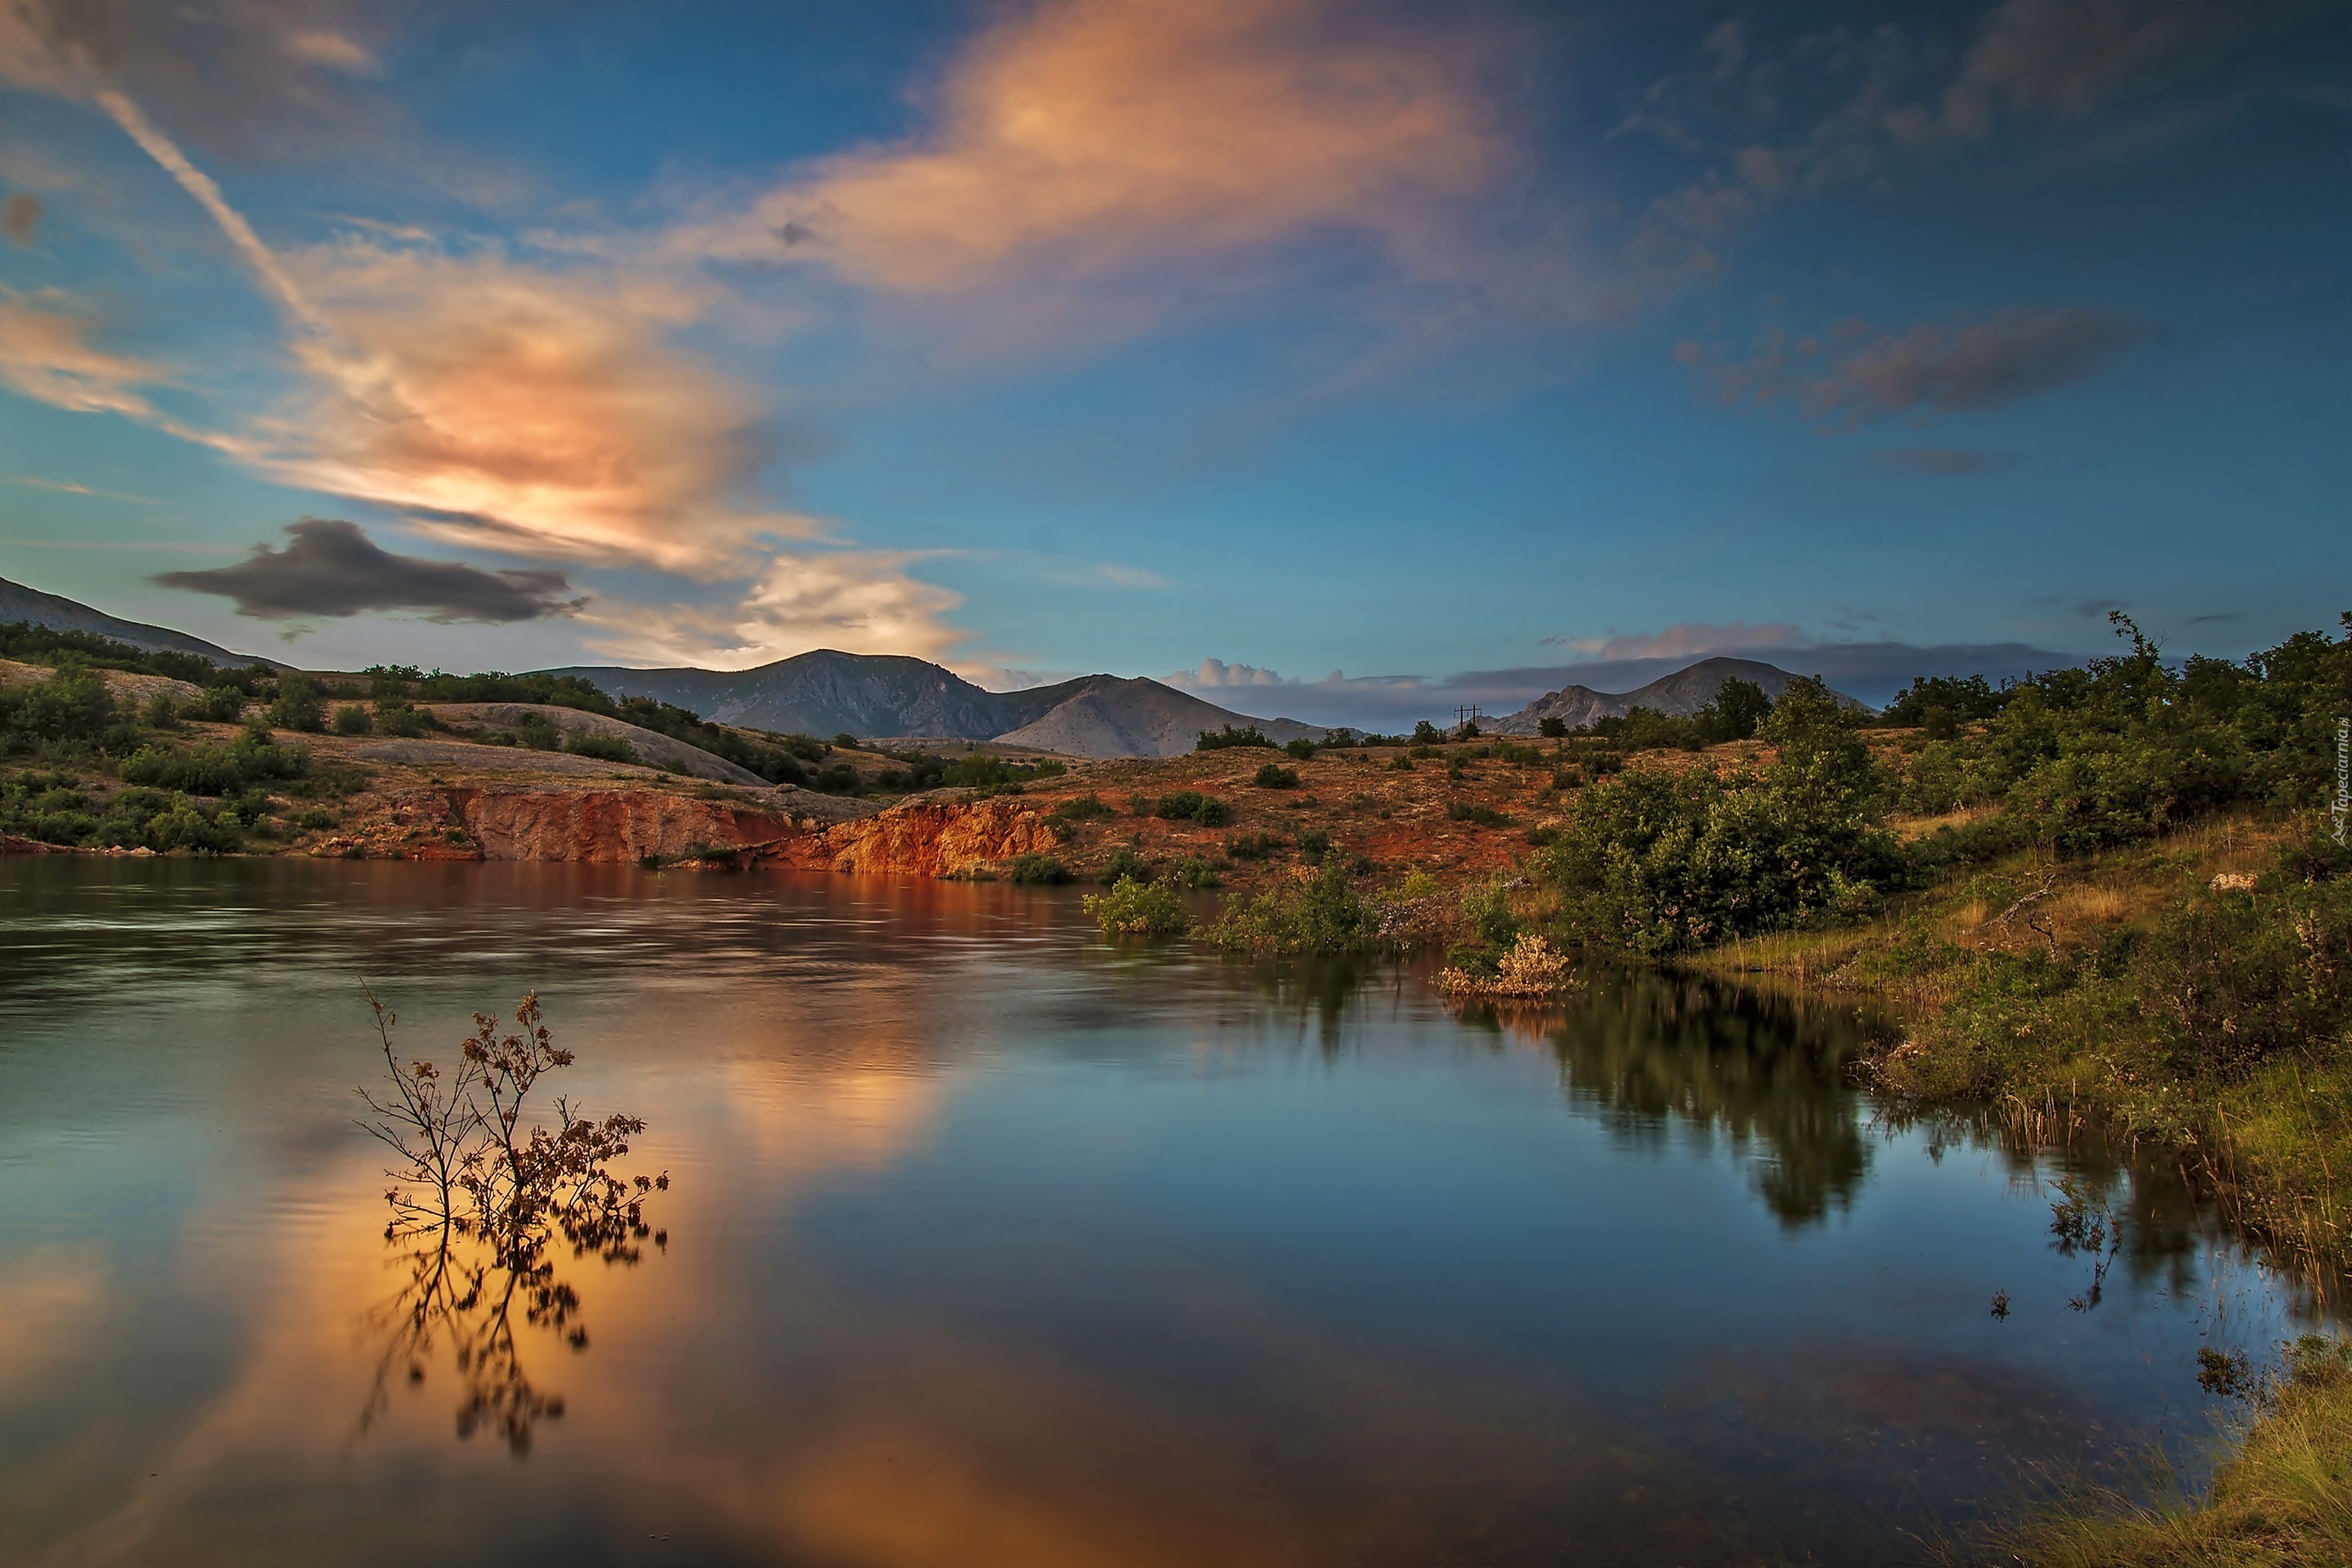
(1230,736)
(1035,871)
(1299,749)
(845,740)
(1481,815)
(72,707)
(298,705)
(604,748)
(1256,846)
(221,704)
(838,779)
(1191,806)
(251,759)
(354,719)
(1274,775)
(1125,866)
(1192,873)
(1086,807)
(1138,909)
(1551,727)
(397,717)
(1658,862)
(1321,915)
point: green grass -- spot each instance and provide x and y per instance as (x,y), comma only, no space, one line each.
(2283,1500)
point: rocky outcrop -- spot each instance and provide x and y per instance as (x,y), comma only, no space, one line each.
(926,838)
(605,824)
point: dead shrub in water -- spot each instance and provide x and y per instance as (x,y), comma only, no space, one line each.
(477,1206)
(1532,967)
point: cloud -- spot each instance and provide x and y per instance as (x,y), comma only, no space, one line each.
(520,409)
(1216,675)
(2068,60)
(1105,574)
(1683,640)
(858,601)
(1865,101)
(1851,374)
(332,568)
(1073,138)
(20,219)
(1939,462)
(46,353)
(227,68)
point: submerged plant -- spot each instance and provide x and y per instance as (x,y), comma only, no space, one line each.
(479,1205)
(1138,909)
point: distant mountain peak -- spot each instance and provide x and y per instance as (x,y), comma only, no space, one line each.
(1682,693)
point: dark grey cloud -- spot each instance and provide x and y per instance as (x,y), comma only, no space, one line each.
(329,568)
(1939,462)
(1853,373)
(20,218)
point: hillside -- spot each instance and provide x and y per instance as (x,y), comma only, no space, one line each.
(1682,693)
(18,603)
(1114,718)
(872,695)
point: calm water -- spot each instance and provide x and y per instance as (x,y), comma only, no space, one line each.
(992,1244)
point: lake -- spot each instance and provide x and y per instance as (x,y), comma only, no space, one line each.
(989,1242)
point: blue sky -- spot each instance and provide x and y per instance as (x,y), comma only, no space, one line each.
(1348,359)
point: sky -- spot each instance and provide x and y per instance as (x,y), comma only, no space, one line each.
(1335,359)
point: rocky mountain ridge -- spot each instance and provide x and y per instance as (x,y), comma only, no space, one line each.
(1682,693)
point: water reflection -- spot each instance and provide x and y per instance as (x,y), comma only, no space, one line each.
(478,1206)
(996,1244)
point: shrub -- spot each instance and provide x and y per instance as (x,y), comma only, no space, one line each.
(400,718)
(1314,843)
(1086,808)
(298,705)
(1531,968)
(604,748)
(1299,749)
(220,704)
(1192,873)
(1034,869)
(1254,845)
(1658,861)
(1425,733)
(71,707)
(1322,915)
(353,720)
(1125,866)
(838,779)
(211,770)
(1230,736)
(1479,814)
(1191,806)
(995,775)
(1274,775)
(1551,727)
(315,818)
(845,742)
(1138,909)
(164,711)
(1400,763)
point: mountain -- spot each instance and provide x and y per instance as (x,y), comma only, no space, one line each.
(881,695)
(1116,718)
(18,603)
(1682,693)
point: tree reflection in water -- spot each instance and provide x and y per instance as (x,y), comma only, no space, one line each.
(1649,1053)
(479,1209)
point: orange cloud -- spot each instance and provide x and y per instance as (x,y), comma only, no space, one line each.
(528,410)
(46,353)
(1078,137)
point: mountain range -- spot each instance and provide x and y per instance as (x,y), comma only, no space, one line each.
(890,696)
(1682,693)
(884,695)
(18,603)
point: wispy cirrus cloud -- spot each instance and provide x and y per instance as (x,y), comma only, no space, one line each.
(47,354)
(332,568)
(1853,373)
